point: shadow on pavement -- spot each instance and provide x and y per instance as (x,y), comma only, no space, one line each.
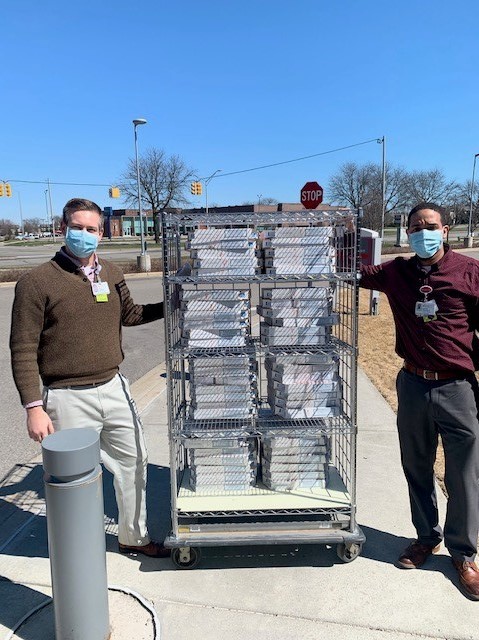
(16,601)
(382,546)
(23,527)
(23,530)
(23,478)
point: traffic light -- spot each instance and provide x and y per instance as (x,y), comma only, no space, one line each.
(114,192)
(196,188)
(1,189)
(8,190)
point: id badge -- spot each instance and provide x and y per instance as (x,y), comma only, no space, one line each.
(427,308)
(100,290)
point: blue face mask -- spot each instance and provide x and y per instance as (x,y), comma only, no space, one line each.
(81,243)
(426,243)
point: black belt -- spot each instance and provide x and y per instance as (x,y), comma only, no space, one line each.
(434,375)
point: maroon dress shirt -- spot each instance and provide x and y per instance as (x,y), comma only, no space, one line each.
(448,342)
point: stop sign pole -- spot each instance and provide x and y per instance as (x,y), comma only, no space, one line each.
(311,195)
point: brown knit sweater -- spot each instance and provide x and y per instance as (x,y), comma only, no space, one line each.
(62,334)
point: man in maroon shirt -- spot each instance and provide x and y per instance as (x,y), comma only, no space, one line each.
(434,297)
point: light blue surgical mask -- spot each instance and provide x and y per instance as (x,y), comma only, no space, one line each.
(426,243)
(81,243)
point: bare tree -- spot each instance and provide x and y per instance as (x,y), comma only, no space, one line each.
(395,195)
(351,185)
(460,206)
(164,180)
(268,200)
(8,228)
(430,186)
(32,225)
(361,187)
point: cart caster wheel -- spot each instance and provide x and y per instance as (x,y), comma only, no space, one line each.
(185,557)
(348,553)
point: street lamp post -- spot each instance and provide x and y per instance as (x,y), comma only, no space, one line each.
(143,260)
(260,195)
(207,181)
(21,214)
(469,226)
(383,185)
(46,204)
(51,210)
(52,222)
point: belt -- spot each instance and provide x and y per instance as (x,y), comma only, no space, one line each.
(92,385)
(434,375)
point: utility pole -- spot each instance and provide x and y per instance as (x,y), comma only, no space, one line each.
(207,181)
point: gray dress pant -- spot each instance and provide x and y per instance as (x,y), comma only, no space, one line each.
(425,409)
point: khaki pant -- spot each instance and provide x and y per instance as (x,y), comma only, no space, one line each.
(111,411)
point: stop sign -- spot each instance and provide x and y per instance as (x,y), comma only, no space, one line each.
(311,195)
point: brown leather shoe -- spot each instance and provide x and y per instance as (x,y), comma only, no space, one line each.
(469,577)
(416,554)
(152,549)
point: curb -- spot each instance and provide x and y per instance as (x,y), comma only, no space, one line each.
(128,276)
(147,388)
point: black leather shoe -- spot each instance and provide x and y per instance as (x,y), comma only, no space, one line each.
(469,577)
(416,554)
(152,549)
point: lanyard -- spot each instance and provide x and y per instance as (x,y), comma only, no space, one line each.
(426,309)
(425,290)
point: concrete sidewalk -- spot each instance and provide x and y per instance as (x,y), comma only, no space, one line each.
(266,592)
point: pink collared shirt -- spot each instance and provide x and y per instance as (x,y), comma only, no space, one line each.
(89,271)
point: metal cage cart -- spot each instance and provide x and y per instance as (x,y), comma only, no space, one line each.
(261,353)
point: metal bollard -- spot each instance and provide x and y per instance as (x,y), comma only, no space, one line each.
(76,534)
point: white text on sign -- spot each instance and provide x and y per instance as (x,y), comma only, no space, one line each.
(311,195)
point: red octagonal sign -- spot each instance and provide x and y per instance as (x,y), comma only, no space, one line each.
(311,195)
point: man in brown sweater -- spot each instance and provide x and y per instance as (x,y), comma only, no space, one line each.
(61,313)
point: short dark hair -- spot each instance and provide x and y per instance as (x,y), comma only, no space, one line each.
(81,204)
(428,205)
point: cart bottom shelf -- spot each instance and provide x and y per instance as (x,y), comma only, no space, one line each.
(260,498)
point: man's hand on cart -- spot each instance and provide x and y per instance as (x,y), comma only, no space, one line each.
(183,271)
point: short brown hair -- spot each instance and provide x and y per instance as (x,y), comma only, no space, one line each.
(81,204)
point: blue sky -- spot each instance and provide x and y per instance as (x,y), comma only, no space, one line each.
(232,85)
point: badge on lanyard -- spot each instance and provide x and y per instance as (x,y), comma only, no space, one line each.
(426,309)
(100,290)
